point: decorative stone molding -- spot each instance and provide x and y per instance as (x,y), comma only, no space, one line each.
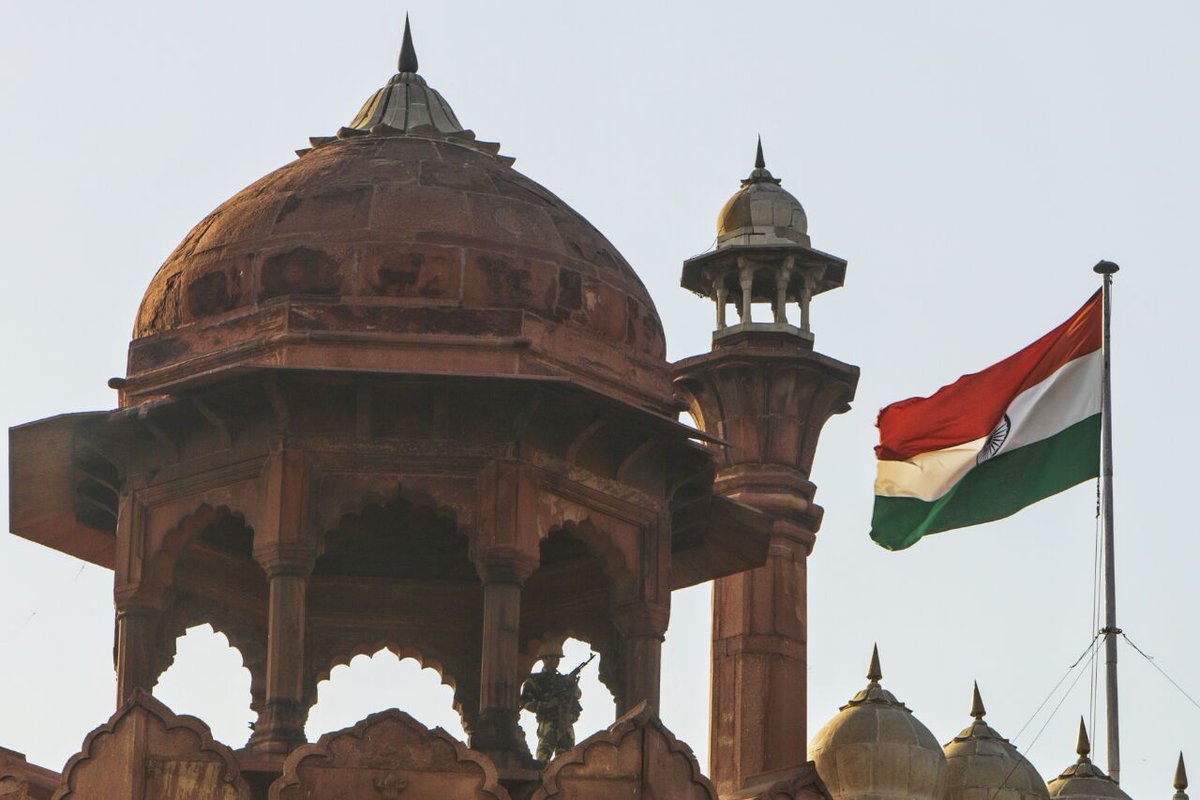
(147,752)
(388,755)
(802,783)
(635,757)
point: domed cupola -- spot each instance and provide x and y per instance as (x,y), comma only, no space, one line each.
(1083,780)
(762,212)
(875,749)
(401,245)
(980,763)
(763,255)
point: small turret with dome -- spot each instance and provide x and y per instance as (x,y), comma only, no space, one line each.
(762,212)
(763,255)
(1083,780)
(876,748)
(981,764)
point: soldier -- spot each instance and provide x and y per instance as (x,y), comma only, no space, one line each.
(554,698)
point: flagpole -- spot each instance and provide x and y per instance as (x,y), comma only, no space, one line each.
(1110,629)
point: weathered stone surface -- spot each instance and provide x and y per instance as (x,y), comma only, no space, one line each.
(146,752)
(635,757)
(799,783)
(364,221)
(20,780)
(386,755)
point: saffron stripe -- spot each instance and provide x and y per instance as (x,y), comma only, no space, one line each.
(971,406)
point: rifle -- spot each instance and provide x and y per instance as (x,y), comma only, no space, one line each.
(574,674)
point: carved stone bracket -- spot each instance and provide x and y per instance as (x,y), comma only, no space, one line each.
(635,757)
(147,752)
(387,755)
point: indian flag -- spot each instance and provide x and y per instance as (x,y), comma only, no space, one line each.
(993,442)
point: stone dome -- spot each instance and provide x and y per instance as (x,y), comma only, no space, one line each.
(983,765)
(875,749)
(1083,780)
(762,212)
(400,238)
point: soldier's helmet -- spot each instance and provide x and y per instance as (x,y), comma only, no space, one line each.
(550,649)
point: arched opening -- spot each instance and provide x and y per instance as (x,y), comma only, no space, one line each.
(396,577)
(207,679)
(371,683)
(215,625)
(599,707)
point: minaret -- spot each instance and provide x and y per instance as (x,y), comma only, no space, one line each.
(765,394)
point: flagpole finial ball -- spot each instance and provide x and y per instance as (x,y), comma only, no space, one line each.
(1105,268)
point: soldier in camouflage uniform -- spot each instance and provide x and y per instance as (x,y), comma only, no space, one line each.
(554,698)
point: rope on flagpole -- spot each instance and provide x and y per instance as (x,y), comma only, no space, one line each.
(1162,671)
(1091,649)
(1061,680)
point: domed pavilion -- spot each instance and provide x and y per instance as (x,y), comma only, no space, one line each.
(396,394)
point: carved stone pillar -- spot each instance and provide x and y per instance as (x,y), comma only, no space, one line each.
(760,663)
(641,630)
(280,726)
(286,550)
(136,649)
(496,730)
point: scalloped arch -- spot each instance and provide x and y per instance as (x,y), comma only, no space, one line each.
(374,647)
(355,503)
(160,567)
(622,580)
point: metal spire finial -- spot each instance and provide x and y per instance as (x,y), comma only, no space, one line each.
(1180,775)
(1082,745)
(759,161)
(977,709)
(874,673)
(408,53)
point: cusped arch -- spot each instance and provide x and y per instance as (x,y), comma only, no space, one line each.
(248,640)
(347,501)
(463,703)
(622,580)
(161,564)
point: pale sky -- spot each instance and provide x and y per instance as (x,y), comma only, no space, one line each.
(971,161)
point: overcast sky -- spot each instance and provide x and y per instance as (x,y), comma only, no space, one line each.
(971,161)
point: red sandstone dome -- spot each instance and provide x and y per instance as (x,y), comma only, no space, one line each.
(402,245)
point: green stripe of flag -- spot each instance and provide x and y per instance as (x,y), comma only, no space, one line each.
(997,488)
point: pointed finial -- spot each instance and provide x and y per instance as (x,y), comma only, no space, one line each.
(977,709)
(408,53)
(1180,775)
(1082,745)
(874,674)
(759,161)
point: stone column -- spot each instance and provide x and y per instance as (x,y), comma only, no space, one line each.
(280,726)
(642,630)
(136,643)
(746,279)
(782,279)
(759,693)
(768,396)
(496,731)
